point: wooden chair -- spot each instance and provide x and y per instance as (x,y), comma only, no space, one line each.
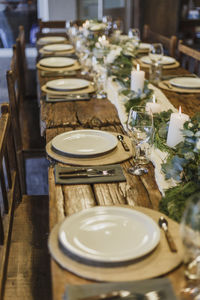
(10,187)
(25,114)
(27,79)
(189,58)
(169,43)
(24,258)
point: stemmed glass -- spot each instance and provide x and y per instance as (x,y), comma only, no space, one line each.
(190,234)
(156,53)
(140,129)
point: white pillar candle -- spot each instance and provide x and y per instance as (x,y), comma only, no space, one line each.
(153,107)
(175,135)
(137,80)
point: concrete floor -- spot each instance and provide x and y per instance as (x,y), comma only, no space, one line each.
(37,168)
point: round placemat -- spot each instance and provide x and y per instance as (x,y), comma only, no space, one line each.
(170,66)
(75,66)
(87,90)
(115,156)
(167,86)
(157,263)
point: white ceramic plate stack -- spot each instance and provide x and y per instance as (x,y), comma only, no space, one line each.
(84,143)
(166,60)
(109,234)
(57,47)
(57,62)
(185,82)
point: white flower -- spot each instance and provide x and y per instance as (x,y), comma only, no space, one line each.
(112,55)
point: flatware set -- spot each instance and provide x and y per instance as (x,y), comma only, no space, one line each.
(85,173)
(123,294)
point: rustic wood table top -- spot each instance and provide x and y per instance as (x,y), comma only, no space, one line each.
(137,190)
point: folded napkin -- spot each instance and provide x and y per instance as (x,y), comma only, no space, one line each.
(163,285)
(116,176)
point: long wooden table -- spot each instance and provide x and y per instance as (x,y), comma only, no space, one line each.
(137,190)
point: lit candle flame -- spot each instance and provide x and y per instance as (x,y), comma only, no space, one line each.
(179,110)
(138,67)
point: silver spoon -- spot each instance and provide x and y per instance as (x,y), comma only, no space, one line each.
(121,139)
(163,223)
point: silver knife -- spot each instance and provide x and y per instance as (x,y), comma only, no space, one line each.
(83,175)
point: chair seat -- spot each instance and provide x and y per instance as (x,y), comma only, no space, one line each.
(28,273)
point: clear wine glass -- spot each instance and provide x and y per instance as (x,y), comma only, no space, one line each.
(190,234)
(140,130)
(156,53)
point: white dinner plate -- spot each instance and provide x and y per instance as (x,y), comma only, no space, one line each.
(67,84)
(51,39)
(186,82)
(57,62)
(84,143)
(57,47)
(144,46)
(109,234)
(166,60)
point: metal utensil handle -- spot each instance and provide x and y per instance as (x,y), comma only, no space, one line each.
(170,241)
(126,148)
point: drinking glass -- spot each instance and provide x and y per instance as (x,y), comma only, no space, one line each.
(190,234)
(100,79)
(140,130)
(155,54)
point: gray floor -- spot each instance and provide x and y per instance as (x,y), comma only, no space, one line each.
(37,168)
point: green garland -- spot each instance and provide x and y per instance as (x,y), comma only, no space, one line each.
(183,163)
(183,166)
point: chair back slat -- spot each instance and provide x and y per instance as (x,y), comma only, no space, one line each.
(22,63)
(11,192)
(14,107)
(189,58)
(169,43)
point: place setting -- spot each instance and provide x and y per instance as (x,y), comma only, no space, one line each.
(68,89)
(57,49)
(89,147)
(58,64)
(167,62)
(97,243)
(156,57)
(182,84)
